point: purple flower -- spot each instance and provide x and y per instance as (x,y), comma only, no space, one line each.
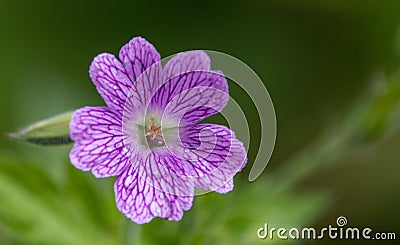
(148,135)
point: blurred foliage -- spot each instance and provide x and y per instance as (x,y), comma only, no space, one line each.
(331,68)
(37,209)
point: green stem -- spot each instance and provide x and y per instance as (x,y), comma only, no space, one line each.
(132,233)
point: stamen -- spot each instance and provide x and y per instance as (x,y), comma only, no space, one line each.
(154,136)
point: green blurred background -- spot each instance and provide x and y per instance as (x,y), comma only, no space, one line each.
(331,68)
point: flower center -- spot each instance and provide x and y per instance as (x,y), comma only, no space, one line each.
(154,136)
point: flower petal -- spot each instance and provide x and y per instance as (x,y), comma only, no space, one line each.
(148,190)
(142,91)
(137,56)
(192,96)
(184,62)
(111,80)
(212,156)
(98,142)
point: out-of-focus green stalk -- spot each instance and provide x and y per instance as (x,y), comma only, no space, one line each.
(132,233)
(374,114)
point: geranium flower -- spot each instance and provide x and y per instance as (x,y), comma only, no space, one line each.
(148,134)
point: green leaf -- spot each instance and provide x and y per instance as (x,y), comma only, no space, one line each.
(51,131)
